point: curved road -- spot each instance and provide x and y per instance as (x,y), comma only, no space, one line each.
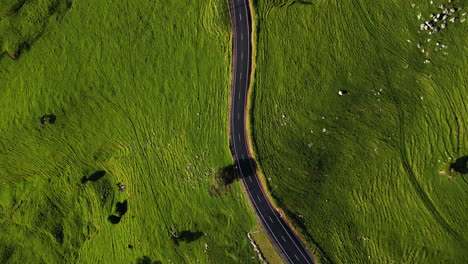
(280,233)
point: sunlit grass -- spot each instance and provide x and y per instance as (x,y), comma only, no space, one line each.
(139,90)
(366,176)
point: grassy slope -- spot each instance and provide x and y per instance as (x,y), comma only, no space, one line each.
(140,90)
(369,187)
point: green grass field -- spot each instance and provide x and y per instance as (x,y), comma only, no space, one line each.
(139,90)
(365,177)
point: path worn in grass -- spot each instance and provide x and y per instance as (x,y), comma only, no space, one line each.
(366,176)
(140,91)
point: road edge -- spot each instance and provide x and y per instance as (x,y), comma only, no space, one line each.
(259,172)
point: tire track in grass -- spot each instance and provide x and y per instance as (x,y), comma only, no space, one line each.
(148,165)
(428,204)
(424,197)
(452,109)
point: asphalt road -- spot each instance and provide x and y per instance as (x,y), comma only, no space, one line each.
(279,231)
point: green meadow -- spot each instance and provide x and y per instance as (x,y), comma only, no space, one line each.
(378,175)
(110,93)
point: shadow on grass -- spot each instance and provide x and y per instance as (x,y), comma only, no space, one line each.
(121,208)
(58,233)
(47,119)
(6,253)
(94,177)
(114,219)
(188,236)
(225,176)
(31,35)
(147,260)
(246,168)
(460,165)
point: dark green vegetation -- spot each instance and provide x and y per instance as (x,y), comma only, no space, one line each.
(24,21)
(365,176)
(138,95)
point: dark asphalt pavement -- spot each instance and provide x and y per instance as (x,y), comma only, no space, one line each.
(279,231)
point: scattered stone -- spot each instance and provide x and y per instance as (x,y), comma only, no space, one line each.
(259,253)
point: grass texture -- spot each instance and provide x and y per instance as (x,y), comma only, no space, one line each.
(369,176)
(139,90)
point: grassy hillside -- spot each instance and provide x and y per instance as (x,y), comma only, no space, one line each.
(139,94)
(370,176)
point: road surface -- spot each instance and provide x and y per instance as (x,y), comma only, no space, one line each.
(279,231)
